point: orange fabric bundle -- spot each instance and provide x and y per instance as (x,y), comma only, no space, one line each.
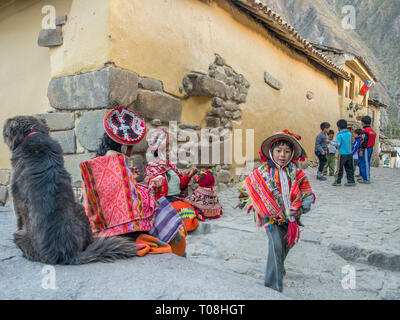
(187,213)
(178,243)
(151,245)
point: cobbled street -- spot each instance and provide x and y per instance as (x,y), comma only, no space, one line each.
(358,227)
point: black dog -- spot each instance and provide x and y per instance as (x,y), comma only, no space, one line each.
(52,226)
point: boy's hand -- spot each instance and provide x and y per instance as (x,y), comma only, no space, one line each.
(361,153)
(192,172)
(297,214)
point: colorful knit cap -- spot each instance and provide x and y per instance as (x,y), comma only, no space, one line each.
(204,178)
(124,126)
(157,139)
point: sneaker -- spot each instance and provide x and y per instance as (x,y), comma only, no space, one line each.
(350,184)
(364,181)
(335,184)
(322,178)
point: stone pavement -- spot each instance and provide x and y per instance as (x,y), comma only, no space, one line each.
(164,277)
(357,226)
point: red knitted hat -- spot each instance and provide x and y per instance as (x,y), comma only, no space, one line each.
(124,126)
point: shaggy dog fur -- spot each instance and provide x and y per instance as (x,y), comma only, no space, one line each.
(52,226)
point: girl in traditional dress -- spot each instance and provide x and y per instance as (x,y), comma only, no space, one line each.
(166,180)
(115,203)
(204,199)
(278,192)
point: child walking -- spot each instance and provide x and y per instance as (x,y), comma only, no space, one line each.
(321,149)
(331,156)
(343,142)
(278,192)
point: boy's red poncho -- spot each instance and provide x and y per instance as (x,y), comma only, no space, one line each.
(262,192)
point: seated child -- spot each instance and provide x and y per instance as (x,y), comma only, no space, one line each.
(331,156)
(278,192)
(204,199)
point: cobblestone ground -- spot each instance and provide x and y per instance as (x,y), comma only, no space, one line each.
(348,226)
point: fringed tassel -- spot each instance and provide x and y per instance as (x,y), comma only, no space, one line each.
(293,233)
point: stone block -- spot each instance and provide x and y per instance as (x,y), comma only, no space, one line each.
(71,163)
(217,102)
(217,112)
(219,61)
(223,176)
(311,237)
(270,80)
(220,76)
(230,105)
(202,85)
(213,122)
(229,71)
(189,126)
(66,139)
(93,90)
(150,84)
(348,251)
(50,37)
(158,105)
(61,20)
(156,122)
(3,195)
(236,115)
(90,129)
(228,114)
(5,177)
(385,260)
(58,121)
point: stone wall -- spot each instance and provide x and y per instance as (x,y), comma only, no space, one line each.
(81,101)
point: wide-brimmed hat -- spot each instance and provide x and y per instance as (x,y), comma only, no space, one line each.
(157,139)
(124,126)
(298,150)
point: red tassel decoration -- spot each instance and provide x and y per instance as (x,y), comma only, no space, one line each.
(293,233)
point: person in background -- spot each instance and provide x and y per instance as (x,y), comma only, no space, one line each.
(356,150)
(164,179)
(343,142)
(368,137)
(331,156)
(321,149)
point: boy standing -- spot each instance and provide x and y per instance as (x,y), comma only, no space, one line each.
(343,141)
(278,192)
(368,136)
(356,149)
(330,164)
(321,149)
